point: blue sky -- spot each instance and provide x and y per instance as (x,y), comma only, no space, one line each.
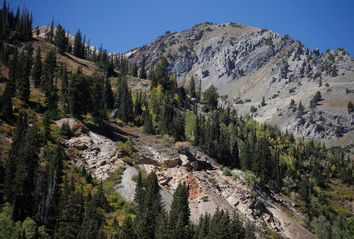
(121,25)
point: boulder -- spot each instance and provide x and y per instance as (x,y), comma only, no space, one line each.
(75,125)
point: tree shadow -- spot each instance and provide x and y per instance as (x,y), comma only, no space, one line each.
(110,131)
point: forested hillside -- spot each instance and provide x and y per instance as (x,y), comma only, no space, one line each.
(74,118)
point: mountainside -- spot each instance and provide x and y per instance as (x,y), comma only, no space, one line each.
(96,145)
(248,65)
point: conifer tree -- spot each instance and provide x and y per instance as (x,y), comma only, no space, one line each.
(139,195)
(50,34)
(48,185)
(49,65)
(71,213)
(350,107)
(202,229)
(127,231)
(23,82)
(98,101)
(77,51)
(134,70)
(162,229)
(249,231)
(60,40)
(93,220)
(14,73)
(300,110)
(6,101)
(161,74)
(192,90)
(64,88)
(211,97)
(79,94)
(146,224)
(21,169)
(148,125)
(180,213)
(123,101)
(108,94)
(142,73)
(37,69)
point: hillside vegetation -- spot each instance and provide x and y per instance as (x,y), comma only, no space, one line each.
(95,146)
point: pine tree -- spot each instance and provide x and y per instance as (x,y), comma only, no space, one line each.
(6,108)
(98,108)
(202,229)
(50,34)
(123,101)
(134,70)
(64,77)
(192,91)
(180,213)
(48,185)
(167,116)
(219,225)
(148,125)
(350,107)
(162,228)
(300,110)
(79,94)
(77,51)
(14,73)
(249,231)
(236,228)
(139,195)
(23,83)
(71,212)
(211,97)
(21,169)
(142,73)
(93,220)
(146,223)
(108,94)
(161,74)
(37,69)
(138,105)
(61,41)
(49,65)
(127,231)
(5,25)
(263,103)
(46,136)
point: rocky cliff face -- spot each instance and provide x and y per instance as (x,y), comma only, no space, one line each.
(247,64)
(173,163)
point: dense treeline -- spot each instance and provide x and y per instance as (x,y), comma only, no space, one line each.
(14,28)
(111,64)
(153,221)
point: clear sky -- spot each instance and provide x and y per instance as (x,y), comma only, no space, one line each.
(121,25)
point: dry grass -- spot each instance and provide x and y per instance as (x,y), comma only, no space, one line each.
(72,62)
(341,197)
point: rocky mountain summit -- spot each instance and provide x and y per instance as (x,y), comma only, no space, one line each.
(260,69)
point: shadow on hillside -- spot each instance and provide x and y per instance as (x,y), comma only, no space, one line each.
(111,131)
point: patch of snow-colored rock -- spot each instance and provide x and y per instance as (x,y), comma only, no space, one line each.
(99,154)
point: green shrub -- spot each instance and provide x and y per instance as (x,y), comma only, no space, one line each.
(127,147)
(130,160)
(226,172)
(65,130)
(253,109)
(251,179)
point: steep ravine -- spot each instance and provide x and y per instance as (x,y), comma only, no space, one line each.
(209,189)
